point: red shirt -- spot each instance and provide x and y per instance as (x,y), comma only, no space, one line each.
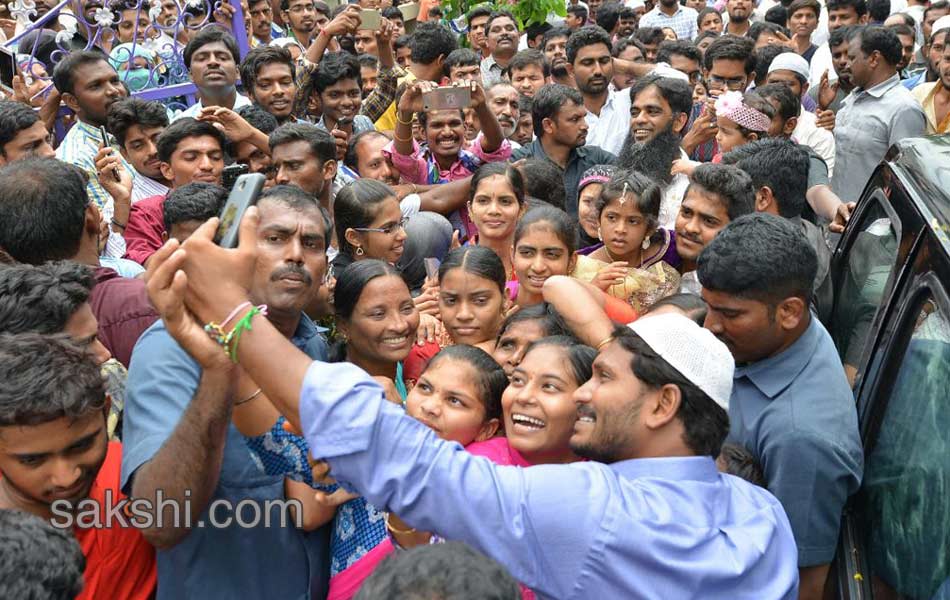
(143,232)
(124,312)
(120,564)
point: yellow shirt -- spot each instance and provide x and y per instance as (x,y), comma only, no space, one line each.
(924,93)
(387,122)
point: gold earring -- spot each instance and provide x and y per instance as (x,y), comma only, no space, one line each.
(359,251)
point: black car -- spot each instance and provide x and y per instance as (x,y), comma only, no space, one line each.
(891,324)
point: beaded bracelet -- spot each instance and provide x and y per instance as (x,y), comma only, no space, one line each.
(229,340)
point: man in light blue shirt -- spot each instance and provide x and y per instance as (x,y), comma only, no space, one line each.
(657,521)
(791,404)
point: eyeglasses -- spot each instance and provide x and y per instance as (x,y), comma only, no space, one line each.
(695,76)
(736,84)
(387,230)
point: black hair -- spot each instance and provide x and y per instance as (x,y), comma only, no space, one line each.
(702,15)
(46,377)
(402,42)
(320,141)
(939,5)
(42,298)
(449,570)
(429,41)
(180,129)
(461,57)
(209,35)
(588,35)
(860,6)
(883,40)
(548,101)
(627,12)
(731,47)
(731,185)
(552,218)
(684,48)
(42,209)
(703,35)
(778,14)
(551,323)
(561,31)
(356,205)
(536,29)
(259,57)
(368,60)
(504,169)
(763,60)
(258,118)
(125,113)
(196,201)
(779,164)
(393,13)
(578,11)
(737,460)
(322,7)
(40,561)
(336,67)
(477,260)
(490,378)
(295,198)
(608,15)
(435,12)
(499,14)
(903,28)
(118,6)
(705,423)
(843,34)
(64,73)
(482,10)
(580,356)
(759,27)
(544,180)
(624,43)
(649,35)
(788,105)
(677,93)
(350,159)
(760,257)
(648,194)
(797,5)
(694,306)
(14,118)
(527,57)
(524,104)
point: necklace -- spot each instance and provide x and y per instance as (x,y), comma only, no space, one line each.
(615,259)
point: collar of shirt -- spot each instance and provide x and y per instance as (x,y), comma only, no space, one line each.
(679,9)
(538,149)
(776,373)
(882,88)
(693,468)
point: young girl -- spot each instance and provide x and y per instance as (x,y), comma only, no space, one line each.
(543,246)
(523,327)
(446,156)
(700,92)
(592,183)
(632,264)
(368,223)
(496,204)
(741,119)
(471,303)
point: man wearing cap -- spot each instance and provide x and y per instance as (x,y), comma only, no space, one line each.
(934,98)
(791,70)
(648,517)
(791,404)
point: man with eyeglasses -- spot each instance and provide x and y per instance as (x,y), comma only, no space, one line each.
(683,56)
(301,19)
(729,65)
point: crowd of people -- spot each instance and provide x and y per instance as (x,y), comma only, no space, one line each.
(523,310)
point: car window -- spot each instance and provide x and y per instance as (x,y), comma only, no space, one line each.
(864,282)
(903,507)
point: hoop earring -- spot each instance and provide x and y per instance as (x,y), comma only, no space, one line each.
(359,251)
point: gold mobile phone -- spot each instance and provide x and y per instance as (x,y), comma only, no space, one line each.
(370,19)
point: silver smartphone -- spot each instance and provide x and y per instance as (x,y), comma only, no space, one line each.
(447,98)
(247,188)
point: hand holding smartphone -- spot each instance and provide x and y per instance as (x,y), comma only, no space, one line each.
(370,19)
(447,98)
(105,144)
(243,195)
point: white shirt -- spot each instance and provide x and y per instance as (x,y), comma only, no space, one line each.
(609,130)
(820,62)
(146,187)
(819,139)
(193,110)
(672,197)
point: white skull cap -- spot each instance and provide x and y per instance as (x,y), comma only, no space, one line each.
(692,350)
(939,25)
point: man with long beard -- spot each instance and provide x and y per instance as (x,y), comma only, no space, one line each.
(659,110)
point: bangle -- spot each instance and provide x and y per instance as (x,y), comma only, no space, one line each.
(395,531)
(399,139)
(401,122)
(119,225)
(604,342)
(249,398)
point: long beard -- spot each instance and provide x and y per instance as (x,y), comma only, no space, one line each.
(654,158)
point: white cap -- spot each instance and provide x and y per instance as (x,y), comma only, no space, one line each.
(790,61)
(692,350)
(939,25)
(664,70)
(634,4)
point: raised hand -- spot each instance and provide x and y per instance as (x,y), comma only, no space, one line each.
(108,164)
(826,91)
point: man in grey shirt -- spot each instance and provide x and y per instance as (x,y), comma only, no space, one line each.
(878,113)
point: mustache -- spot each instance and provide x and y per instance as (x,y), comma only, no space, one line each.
(585,411)
(653,158)
(292,270)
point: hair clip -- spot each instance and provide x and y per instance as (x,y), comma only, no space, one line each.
(623,194)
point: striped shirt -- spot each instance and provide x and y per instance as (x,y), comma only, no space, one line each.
(683,21)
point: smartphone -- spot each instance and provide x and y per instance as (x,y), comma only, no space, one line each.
(231,173)
(243,195)
(370,19)
(432,268)
(8,68)
(345,124)
(409,11)
(447,98)
(105,142)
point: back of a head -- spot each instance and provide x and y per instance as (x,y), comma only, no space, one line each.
(691,305)
(42,298)
(42,209)
(197,201)
(37,560)
(429,41)
(45,378)
(788,104)
(608,15)
(649,35)
(449,571)
(737,460)
(779,164)
(543,180)
(760,257)
(14,118)
(764,57)
(258,118)
(731,185)
(778,14)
